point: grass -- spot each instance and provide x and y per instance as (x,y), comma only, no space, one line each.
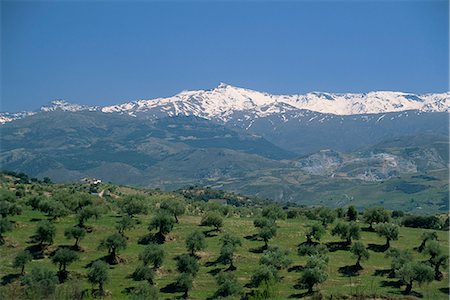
(291,232)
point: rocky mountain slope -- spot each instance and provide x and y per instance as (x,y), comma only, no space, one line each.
(337,148)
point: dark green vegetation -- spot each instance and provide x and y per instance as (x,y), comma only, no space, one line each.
(400,164)
(125,243)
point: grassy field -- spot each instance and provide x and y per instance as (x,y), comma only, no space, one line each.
(291,232)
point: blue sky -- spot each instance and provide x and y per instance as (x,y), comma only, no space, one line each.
(110,52)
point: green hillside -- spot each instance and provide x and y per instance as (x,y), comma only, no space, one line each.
(63,205)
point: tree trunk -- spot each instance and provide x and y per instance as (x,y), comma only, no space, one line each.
(437,272)
(176,219)
(308,239)
(310,289)
(113,256)
(422,246)
(185,295)
(388,243)
(358,262)
(23,270)
(100,288)
(408,288)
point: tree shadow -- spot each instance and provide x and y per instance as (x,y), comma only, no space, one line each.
(171,288)
(413,293)
(211,233)
(445,290)
(230,268)
(297,268)
(152,238)
(377,248)
(300,295)
(62,276)
(258,249)
(367,229)
(396,284)
(212,263)
(103,258)
(350,270)
(253,237)
(215,271)
(383,272)
(335,246)
(307,243)
(7,279)
(36,251)
(36,219)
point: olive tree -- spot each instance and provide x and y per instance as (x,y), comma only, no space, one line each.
(41,282)
(264,273)
(143,272)
(45,233)
(352,213)
(267,229)
(414,271)
(347,231)
(273,212)
(21,259)
(229,244)
(195,241)
(86,213)
(77,233)
(375,215)
(175,207)
(153,254)
(360,252)
(113,243)
(312,249)
(433,249)
(133,205)
(427,236)
(5,226)
(184,283)
(326,216)
(315,231)
(64,257)
(187,264)
(98,274)
(212,218)
(163,222)
(228,285)
(313,273)
(441,260)
(389,231)
(125,223)
(276,257)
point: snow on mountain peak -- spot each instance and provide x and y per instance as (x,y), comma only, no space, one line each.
(63,105)
(225,100)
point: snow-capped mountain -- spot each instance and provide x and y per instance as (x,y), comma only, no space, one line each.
(66,106)
(225,102)
(8,117)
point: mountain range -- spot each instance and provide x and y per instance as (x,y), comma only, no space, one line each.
(316,148)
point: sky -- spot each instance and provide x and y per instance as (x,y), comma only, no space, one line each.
(107,52)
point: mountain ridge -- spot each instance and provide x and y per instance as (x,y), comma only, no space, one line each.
(222,102)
